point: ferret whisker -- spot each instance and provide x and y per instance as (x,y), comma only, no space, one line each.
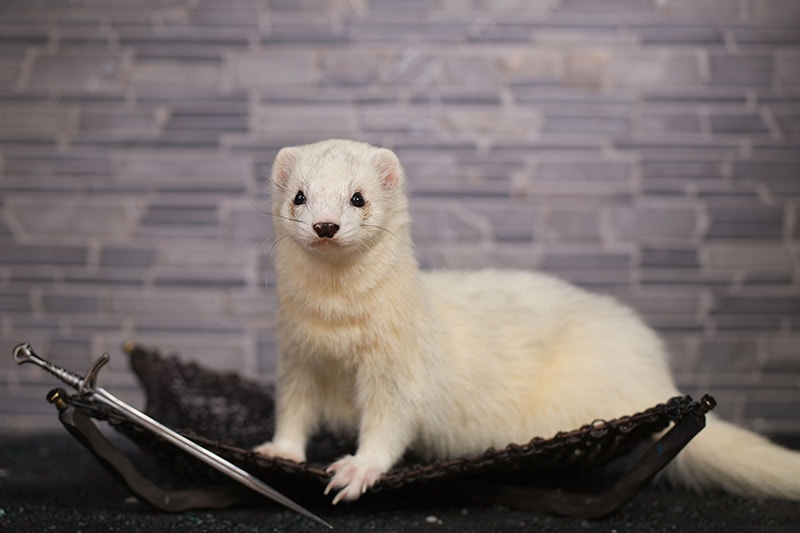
(272,248)
(270,213)
(380,228)
(262,247)
(290,219)
(256,206)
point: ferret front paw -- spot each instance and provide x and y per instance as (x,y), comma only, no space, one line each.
(282,451)
(353,475)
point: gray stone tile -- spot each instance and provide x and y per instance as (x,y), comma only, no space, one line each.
(177,302)
(765,35)
(70,303)
(116,120)
(748,257)
(782,355)
(678,146)
(785,409)
(775,11)
(79,38)
(738,123)
(352,66)
(723,95)
(414,119)
(36,120)
(320,122)
(628,6)
(30,34)
(62,219)
(244,18)
(680,35)
(43,254)
(681,168)
(652,224)
(207,122)
(649,70)
(181,215)
(15,301)
(739,355)
(669,122)
(669,257)
(202,171)
(127,257)
(756,305)
(37,274)
(789,123)
(747,222)
(583,170)
(695,10)
(106,277)
(745,70)
(206,278)
(601,125)
(457,95)
(748,323)
(377,29)
(273,69)
(780,177)
(173,74)
(572,225)
(86,71)
(786,68)
(509,221)
(10,69)
(563,261)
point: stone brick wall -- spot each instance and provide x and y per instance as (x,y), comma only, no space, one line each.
(647,149)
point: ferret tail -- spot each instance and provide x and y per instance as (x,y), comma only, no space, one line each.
(723,456)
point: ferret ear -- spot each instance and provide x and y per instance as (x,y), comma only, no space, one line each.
(388,167)
(284,163)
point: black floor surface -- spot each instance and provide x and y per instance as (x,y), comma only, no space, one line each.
(51,483)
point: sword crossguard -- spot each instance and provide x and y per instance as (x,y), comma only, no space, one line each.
(89,384)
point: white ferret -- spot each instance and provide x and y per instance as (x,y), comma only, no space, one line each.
(451,363)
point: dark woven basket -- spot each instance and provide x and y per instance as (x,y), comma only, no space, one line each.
(229,415)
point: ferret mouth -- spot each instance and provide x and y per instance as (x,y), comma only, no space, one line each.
(324,243)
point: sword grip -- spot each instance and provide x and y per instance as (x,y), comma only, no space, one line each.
(23,353)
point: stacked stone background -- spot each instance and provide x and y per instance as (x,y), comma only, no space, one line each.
(646,149)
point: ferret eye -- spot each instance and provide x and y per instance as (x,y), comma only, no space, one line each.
(357,200)
(299,198)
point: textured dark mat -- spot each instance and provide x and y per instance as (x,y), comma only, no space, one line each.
(50,482)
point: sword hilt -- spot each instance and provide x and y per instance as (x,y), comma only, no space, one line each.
(23,353)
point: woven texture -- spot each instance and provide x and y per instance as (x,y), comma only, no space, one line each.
(228,415)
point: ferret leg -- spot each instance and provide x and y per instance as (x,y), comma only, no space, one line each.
(296,416)
(383,438)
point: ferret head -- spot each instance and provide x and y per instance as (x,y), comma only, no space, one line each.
(337,196)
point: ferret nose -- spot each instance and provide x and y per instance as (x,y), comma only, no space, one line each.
(326,230)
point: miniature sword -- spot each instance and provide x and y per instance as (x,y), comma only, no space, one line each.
(85,386)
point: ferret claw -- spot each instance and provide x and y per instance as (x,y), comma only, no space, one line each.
(352,476)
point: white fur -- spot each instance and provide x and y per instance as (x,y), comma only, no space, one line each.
(451,363)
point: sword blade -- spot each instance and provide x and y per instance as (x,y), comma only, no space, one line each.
(203,454)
